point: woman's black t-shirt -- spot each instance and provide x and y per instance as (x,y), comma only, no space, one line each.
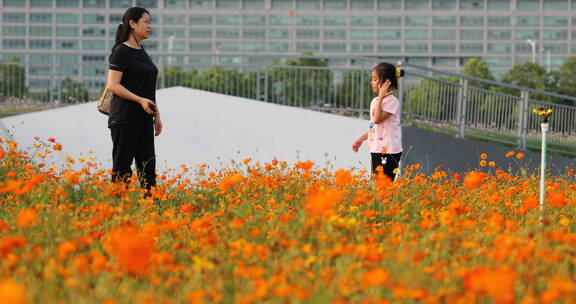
(139,77)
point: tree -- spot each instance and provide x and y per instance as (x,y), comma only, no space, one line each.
(175,76)
(72,91)
(565,78)
(12,79)
(475,67)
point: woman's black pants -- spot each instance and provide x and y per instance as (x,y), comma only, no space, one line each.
(134,141)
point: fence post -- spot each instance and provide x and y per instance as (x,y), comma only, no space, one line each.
(266,83)
(361,106)
(462,100)
(52,78)
(523,119)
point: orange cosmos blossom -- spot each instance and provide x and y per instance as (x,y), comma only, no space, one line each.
(375,277)
(320,202)
(497,283)
(25,218)
(558,199)
(12,292)
(520,155)
(343,177)
(473,179)
(528,203)
(132,249)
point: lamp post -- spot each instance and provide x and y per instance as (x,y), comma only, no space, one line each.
(170,41)
(545,118)
(533,44)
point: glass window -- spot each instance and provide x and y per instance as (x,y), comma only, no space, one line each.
(499,21)
(200,33)
(556,21)
(308,34)
(362,21)
(527,34)
(94,32)
(472,21)
(40,18)
(416,47)
(499,48)
(120,3)
(334,34)
(228,20)
(174,31)
(528,21)
(467,47)
(115,18)
(14,31)
(307,47)
(67,3)
(67,31)
(14,17)
(147,3)
(201,20)
(93,45)
(472,4)
(443,48)
(177,45)
(555,35)
(556,5)
(335,4)
(389,34)
(174,4)
(415,34)
(444,34)
(389,21)
(528,5)
(362,4)
(421,61)
(335,47)
(256,33)
(499,5)
(278,47)
(200,46)
(203,4)
(444,4)
(335,20)
(93,19)
(307,4)
(471,35)
(444,61)
(280,20)
(228,4)
(253,4)
(505,61)
(39,3)
(14,3)
(174,19)
(387,5)
(362,47)
(40,31)
(253,46)
(279,33)
(281,4)
(66,44)
(416,4)
(254,20)
(361,34)
(556,48)
(444,20)
(227,33)
(13,43)
(308,20)
(67,18)
(416,20)
(499,34)
(389,48)
(39,58)
(94,3)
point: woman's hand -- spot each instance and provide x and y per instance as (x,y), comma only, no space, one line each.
(157,126)
(148,105)
(384,89)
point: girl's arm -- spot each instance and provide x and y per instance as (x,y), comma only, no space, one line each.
(379,114)
(113,84)
(359,142)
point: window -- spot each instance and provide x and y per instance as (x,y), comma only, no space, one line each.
(67,3)
(94,3)
(444,61)
(362,4)
(389,34)
(202,4)
(120,3)
(388,5)
(279,33)
(14,17)
(444,34)
(308,20)
(67,31)
(94,32)
(147,3)
(335,4)
(416,20)
(362,48)
(472,21)
(416,47)
(13,43)
(280,20)
(39,3)
(14,31)
(228,20)
(200,33)
(335,47)
(253,46)
(555,35)
(556,21)
(67,18)
(415,34)
(335,20)
(200,46)
(499,48)
(278,47)
(177,45)
(389,48)
(443,47)
(471,35)
(228,4)
(499,5)
(228,33)
(40,31)
(471,48)
(173,19)
(115,18)
(253,4)
(444,4)
(335,34)
(254,20)
(362,21)
(556,5)
(93,19)
(504,61)
(416,4)
(281,4)
(528,5)
(556,48)
(499,34)
(527,34)
(93,45)
(389,21)
(361,34)
(307,4)
(201,20)
(307,47)
(174,31)
(14,3)
(444,20)
(499,21)
(40,18)
(528,21)
(308,34)
(472,4)
(256,33)
(66,44)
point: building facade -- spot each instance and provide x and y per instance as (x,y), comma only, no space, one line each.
(76,35)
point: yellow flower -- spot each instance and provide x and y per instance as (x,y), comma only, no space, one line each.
(492,164)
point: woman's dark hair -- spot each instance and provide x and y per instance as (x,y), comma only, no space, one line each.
(386,70)
(124,31)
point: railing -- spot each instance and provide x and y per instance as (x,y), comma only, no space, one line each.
(466,106)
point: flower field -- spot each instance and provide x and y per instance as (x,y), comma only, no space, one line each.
(279,233)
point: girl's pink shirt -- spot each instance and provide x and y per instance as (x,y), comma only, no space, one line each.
(385,137)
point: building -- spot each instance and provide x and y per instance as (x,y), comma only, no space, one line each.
(441,34)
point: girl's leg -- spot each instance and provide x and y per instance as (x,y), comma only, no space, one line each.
(377,161)
(391,163)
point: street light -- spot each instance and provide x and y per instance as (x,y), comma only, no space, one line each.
(547,50)
(533,44)
(170,41)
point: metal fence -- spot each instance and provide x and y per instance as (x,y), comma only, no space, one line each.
(466,106)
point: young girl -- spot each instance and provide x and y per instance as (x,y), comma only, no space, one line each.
(384,134)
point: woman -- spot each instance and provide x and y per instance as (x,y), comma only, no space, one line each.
(134,116)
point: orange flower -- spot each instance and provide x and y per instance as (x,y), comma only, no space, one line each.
(558,199)
(520,155)
(473,179)
(57,147)
(64,249)
(132,249)
(343,178)
(492,164)
(483,156)
(25,218)
(483,163)
(375,277)
(528,203)
(495,283)
(510,153)
(321,202)
(12,292)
